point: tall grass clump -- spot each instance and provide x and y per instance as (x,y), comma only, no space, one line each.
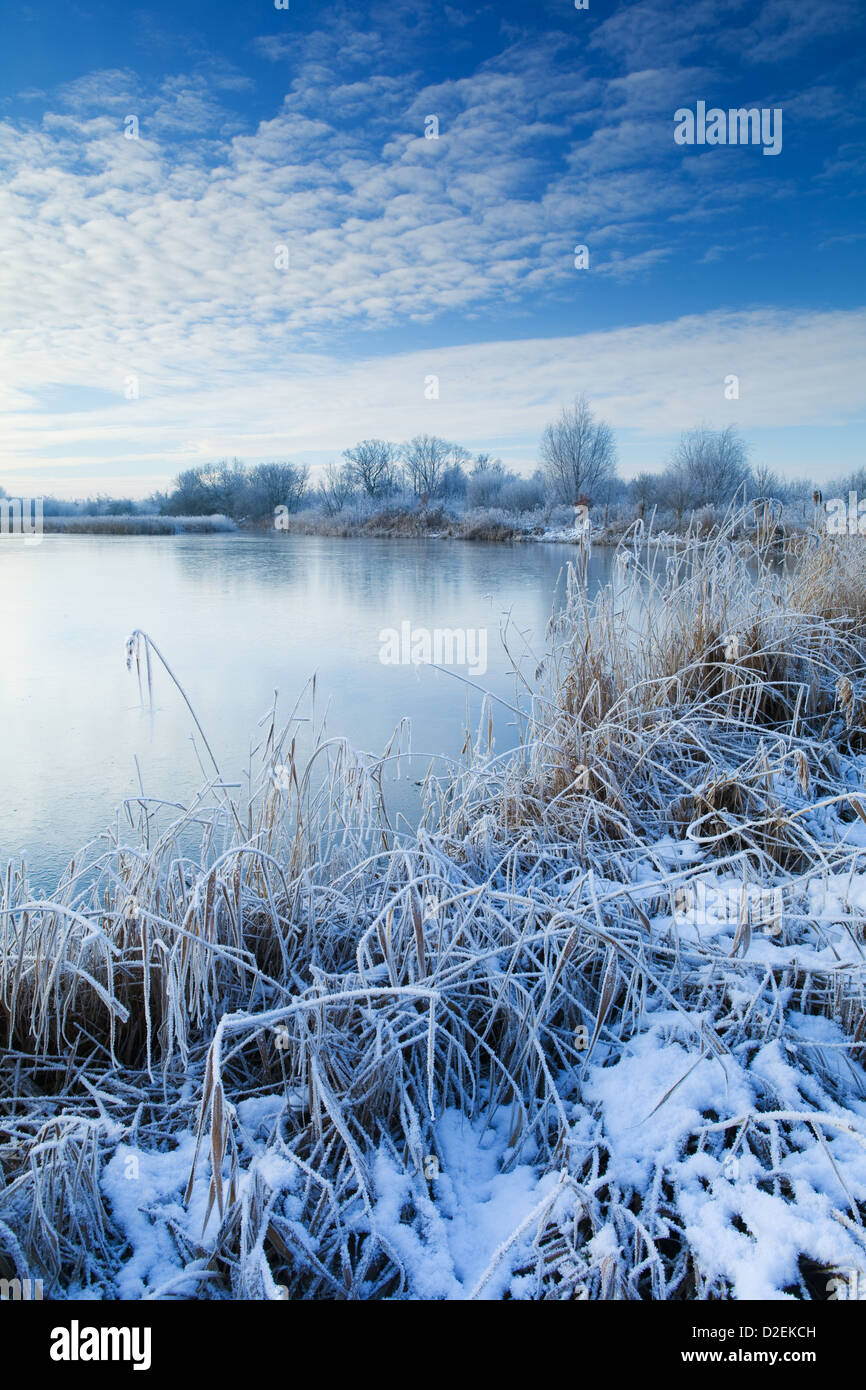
(280,1010)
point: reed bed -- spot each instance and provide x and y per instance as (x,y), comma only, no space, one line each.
(259,1047)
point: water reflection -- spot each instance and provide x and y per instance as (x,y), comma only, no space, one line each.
(237,617)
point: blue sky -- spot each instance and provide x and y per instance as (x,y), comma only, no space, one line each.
(146,327)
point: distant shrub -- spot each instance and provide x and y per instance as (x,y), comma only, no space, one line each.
(522,494)
(489,525)
(232,490)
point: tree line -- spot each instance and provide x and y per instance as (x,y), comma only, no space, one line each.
(577,464)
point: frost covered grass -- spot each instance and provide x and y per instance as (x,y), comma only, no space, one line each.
(270,1046)
(405,521)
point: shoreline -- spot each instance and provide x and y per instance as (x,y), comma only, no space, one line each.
(407,526)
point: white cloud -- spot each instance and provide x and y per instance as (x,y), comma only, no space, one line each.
(650,382)
(116,243)
(154,258)
(107,88)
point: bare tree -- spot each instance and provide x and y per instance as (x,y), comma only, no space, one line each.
(425,459)
(644,491)
(335,487)
(676,490)
(371,466)
(578,452)
(716,462)
(765,482)
(279,484)
(483,462)
(486,481)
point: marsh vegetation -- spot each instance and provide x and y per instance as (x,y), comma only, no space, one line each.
(291,1060)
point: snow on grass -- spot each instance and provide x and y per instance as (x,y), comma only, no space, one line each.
(470,1226)
(595,1031)
(145,1191)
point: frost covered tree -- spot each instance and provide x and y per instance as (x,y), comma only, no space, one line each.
(425,460)
(335,487)
(714,463)
(578,453)
(766,482)
(371,466)
(277,485)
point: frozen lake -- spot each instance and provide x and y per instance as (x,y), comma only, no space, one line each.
(237,617)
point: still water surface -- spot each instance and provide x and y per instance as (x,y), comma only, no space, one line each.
(237,617)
